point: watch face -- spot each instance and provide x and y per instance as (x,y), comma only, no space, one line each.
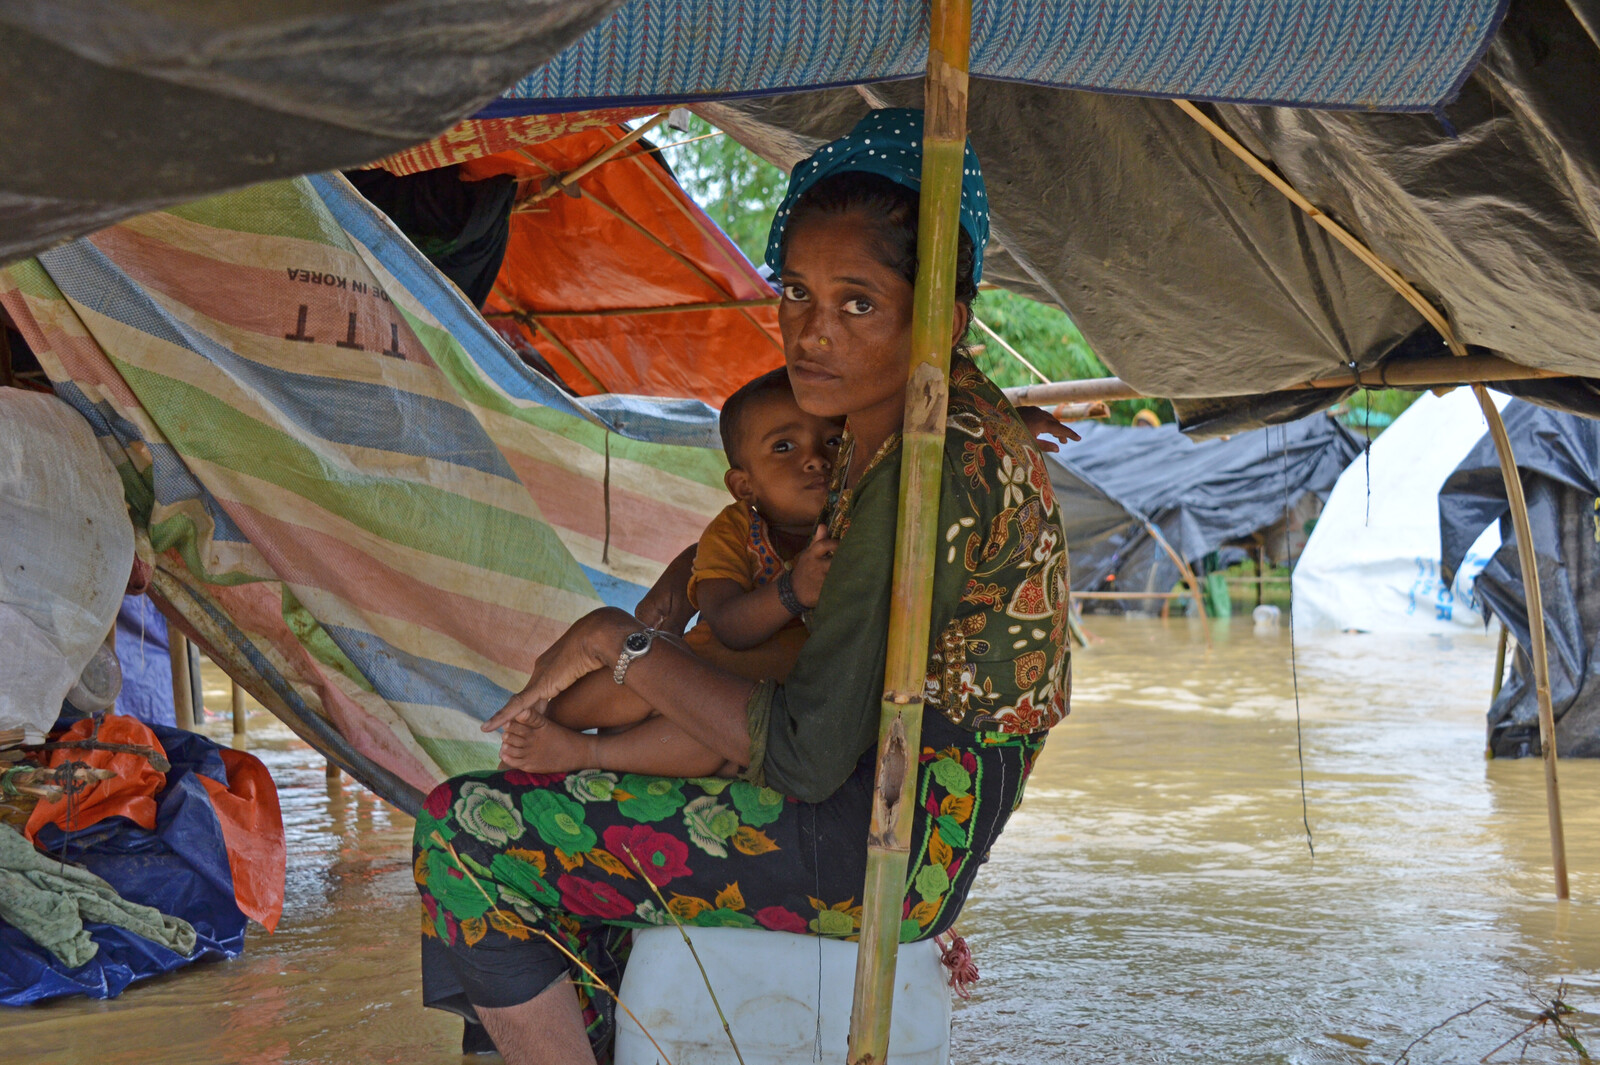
(636,643)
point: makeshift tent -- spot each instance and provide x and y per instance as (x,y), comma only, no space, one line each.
(1558,456)
(364,506)
(628,287)
(1118,482)
(1373,561)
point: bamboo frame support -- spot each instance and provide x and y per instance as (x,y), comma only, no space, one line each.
(1527,557)
(624,312)
(567,180)
(944,138)
(240,719)
(1499,663)
(1009,350)
(1189,578)
(182,689)
(1413,373)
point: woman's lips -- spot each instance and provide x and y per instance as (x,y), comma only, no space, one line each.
(811,371)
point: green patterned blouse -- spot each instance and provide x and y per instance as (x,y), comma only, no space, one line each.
(998,659)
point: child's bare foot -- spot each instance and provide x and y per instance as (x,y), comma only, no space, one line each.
(545,748)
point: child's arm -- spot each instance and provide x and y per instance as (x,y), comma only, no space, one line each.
(742,620)
(657,747)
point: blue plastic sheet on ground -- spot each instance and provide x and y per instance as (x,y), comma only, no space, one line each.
(146,669)
(181,868)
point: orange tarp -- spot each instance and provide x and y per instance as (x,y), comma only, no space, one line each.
(632,240)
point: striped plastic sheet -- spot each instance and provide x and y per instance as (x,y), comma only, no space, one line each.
(358,500)
(1364,54)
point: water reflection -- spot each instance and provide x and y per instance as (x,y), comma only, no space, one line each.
(1153,900)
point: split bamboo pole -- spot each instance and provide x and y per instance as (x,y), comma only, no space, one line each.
(182,689)
(240,720)
(566,181)
(1526,554)
(1500,663)
(1527,557)
(626,312)
(1446,370)
(1188,578)
(944,138)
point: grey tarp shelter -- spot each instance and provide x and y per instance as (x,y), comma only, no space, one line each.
(1558,456)
(1189,275)
(1118,482)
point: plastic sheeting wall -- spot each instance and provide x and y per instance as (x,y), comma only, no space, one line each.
(1373,561)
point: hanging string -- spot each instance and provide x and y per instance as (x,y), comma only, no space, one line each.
(1294,668)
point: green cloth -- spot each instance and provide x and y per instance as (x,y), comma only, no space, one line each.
(998,655)
(50,902)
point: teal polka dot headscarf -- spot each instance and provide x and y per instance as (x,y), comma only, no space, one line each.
(889,143)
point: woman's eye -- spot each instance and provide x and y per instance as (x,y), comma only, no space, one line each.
(794,293)
(857,307)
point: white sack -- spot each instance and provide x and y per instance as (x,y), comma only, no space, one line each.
(1382,574)
(66,548)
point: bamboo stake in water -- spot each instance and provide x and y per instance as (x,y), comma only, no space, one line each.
(1534,597)
(182,691)
(944,138)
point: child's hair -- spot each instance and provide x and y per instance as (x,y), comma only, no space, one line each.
(729,424)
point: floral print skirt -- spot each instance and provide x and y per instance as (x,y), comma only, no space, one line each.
(521,873)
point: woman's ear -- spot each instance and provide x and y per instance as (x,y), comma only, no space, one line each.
(959,322)
(738,484)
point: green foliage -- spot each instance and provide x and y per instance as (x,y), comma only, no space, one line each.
(740,191)
(737,188)
(1374,409)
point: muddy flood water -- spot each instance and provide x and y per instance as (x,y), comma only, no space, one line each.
(1153,900)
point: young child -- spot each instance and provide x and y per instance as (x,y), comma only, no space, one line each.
(759,564)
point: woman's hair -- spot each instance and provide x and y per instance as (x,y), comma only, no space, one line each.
(893,207)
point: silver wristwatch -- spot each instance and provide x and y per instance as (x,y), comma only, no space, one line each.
(635,646)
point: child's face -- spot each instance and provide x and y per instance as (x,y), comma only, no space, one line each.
(785,458)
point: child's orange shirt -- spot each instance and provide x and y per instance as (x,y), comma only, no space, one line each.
(737,547)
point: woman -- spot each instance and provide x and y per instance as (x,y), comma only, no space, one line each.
(572,844)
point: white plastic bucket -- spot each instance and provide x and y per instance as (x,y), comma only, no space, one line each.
(787,998)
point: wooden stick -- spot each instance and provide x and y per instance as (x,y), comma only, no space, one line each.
(561,184)
(1527,557)
(944,138)
(197,696)
(554,341)
(240,719)
(1499,663)
(1407,291)
(1079,412)
(1131,595)
(182,692)
(1412,373)
(620,312)
(1013,352)
(1188,577)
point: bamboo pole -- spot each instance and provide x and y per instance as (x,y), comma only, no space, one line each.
(197,692)
(1500,663)
(1412,373)
(240,720)
(182,692)
(944,138)
(566,181)
(623,312)
(1534,597)
(1188,578)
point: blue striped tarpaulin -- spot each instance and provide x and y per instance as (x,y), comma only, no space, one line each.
(1369,54)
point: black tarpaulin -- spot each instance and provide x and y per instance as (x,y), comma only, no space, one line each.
(1199,494)
(1558,456)
(111,108)
(1193,278)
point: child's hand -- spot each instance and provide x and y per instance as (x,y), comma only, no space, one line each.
(1041,424)
(811,567)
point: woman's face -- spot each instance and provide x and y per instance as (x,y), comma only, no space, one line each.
(846,318)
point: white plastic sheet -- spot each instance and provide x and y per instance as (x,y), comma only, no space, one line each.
(1379,572)
(66,547)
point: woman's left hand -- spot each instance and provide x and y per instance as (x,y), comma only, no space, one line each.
(593,642)
(542,746)
(1040,424)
